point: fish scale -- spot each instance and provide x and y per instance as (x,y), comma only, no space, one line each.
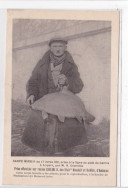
(63,104)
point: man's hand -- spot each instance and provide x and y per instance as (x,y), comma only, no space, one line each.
(62,80)
(31,100)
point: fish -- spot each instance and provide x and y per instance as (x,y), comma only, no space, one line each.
(63,104)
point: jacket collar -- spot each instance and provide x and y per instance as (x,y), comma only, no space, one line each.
(68,62)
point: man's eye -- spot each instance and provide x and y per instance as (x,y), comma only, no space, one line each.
(58,46)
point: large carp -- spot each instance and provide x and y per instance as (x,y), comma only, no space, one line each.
(63,104)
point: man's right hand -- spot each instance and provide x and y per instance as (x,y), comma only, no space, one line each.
(31,100)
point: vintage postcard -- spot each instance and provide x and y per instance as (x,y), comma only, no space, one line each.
(61,98)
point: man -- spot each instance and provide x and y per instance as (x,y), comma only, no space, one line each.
(55,69)
(38,83)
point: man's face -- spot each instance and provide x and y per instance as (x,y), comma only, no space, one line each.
(58,48)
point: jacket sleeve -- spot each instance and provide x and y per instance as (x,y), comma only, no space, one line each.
(74,80)
(32,86)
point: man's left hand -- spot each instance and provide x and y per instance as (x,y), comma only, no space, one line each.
(62,79)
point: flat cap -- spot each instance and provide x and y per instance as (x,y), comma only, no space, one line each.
(58,40)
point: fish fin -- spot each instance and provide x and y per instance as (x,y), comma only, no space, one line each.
(44,115)
(61,118)
(86,125)
(79,119)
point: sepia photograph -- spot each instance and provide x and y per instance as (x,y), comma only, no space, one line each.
(61,98)
(61,74)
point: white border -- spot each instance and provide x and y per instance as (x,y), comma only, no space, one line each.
(124,106)
(2,73)
(123,100)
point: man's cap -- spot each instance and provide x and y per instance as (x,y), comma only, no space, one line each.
(57,40)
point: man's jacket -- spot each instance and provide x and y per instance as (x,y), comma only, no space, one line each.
(38,83)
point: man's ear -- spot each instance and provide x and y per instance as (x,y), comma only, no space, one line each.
(65,47)
(50,48)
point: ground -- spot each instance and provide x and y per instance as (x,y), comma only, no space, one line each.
(97,145)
